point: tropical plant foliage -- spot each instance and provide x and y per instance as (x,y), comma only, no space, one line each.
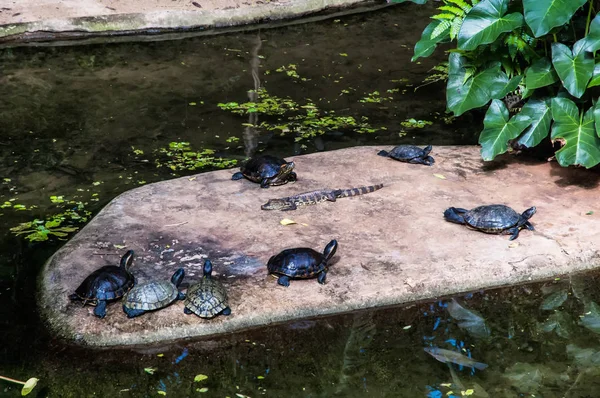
(543,51)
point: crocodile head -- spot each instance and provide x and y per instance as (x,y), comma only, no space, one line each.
(276,204)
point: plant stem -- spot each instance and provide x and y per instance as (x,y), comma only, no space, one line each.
(589,18)
(11,380)
(554,36)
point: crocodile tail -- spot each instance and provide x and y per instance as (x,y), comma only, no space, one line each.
(359,190)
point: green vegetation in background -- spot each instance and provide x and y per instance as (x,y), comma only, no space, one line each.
(542,50)
(180,156)
(306,121)
(56,225)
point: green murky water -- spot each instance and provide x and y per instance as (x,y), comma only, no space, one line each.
(86,123)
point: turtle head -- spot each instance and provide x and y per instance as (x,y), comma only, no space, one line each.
(285,170)
(178,277)
(127,259)
(427,149)
(207,268)
(527,214)
(330,250)
(275,204)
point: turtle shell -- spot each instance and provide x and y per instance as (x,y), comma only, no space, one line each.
(206,298)
(300,263)
(262,166)
(492,218)
(107,283)
(151,295)
(406,152)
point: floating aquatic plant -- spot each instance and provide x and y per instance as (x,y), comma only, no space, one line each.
(180,156)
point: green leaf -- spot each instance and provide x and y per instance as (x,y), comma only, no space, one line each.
(543,15)
(581,144)
(540,114)
(468,319)
(595,81)
(591,317)
(427,45)
(498,130)
(540,74)
(555,299)
(412,1)
(200,377)
(574,71)
(29,386)
(510,86)
(485,22)
(467,90)
(591,42)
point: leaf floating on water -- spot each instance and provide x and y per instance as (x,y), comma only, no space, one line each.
(287,221)
(160,355)
(559,322)
(468,319)
(161,392)
(440,176)
(260,377)
(591,319)
(526,378)
(200,377)
(555,299)
(150,371)
(203,389)
(583,357)
(29,386)
(468,392)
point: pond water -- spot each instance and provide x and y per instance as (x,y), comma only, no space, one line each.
(82,124)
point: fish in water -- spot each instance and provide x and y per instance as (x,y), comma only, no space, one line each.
(446,356)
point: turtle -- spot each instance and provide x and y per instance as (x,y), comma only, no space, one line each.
(108,283)
(207,298)
(153,295)
(301,263)
(267,170)
(492,219)
(410,154)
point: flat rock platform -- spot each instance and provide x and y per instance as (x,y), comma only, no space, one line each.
(394,245)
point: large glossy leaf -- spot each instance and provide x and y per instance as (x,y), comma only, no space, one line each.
(485,22)
(540,74)
(581,144)
(591,317)
(426,45)
(540,115)
(498,129)
(574,71)
(543,15)
(510,86)
(591,42)
(466,89)
(595,80)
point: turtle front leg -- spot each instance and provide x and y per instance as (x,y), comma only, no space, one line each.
(321,278)
(181,296)
(131,313)
(226,311)
(428,160)
(529,226)
(187,311)
(237,176)
(265,183)
(284,280)
(514,231)
(100,310)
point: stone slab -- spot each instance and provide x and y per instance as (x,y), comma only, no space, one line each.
(394,246)
(23,21)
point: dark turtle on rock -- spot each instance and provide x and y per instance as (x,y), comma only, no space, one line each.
(207,298)
(492,219)
(301,263)
(410,154)
(108,283)
(153,295)
(267,170)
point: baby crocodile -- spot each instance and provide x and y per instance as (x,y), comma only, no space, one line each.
(314,197)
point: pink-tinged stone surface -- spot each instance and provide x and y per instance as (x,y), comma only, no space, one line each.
(394,245)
